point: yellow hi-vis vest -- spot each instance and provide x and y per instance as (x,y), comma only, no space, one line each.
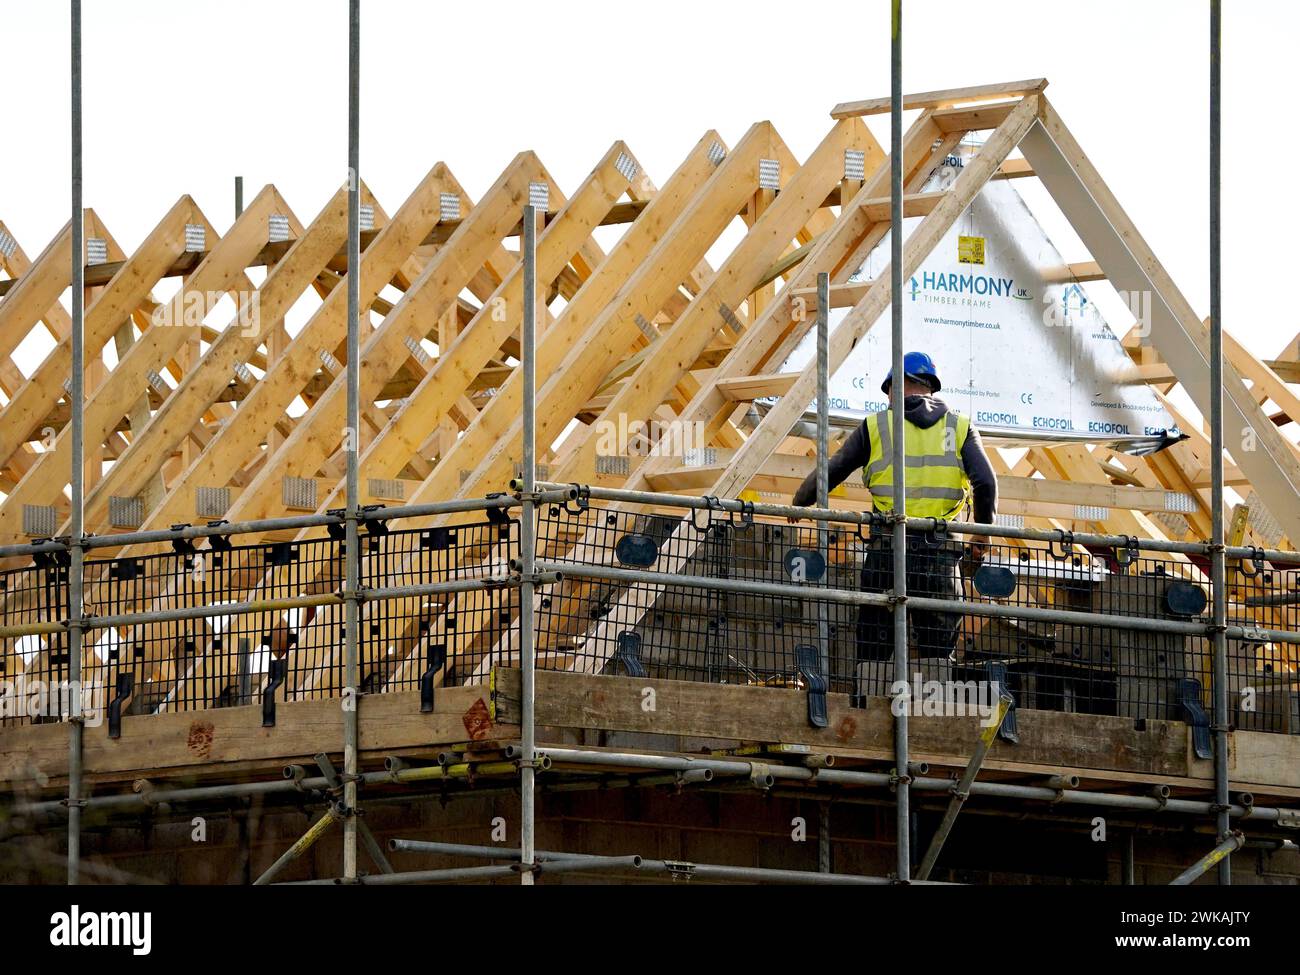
(936,482)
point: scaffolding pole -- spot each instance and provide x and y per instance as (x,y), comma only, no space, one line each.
(552,862)
(899,511)
(527,549)
(961,791)
(559,493)
(565,570)
(1056,793)
(1216,857)
(1058,790)
(352,560)
(551,572)
(76,395)
(304,843)
(823,501)
(1218,565)
(456,875)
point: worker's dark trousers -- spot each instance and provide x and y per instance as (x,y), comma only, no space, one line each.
(932,570)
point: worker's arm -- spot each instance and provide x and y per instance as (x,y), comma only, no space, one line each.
(849,458)
(983,482)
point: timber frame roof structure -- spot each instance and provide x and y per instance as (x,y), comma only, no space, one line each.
(190,419)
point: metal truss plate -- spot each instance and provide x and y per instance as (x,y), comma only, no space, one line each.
(299,493)
(390,489)
(39,520)
(626,165)
(125,512)
(277,228)
(855,164)
(211,502)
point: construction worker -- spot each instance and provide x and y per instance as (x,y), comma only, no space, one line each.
(946,464)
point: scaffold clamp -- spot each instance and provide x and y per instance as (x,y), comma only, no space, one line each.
(1256,557)
(1066,541)
(337,530)
(219,542)
(680,870)
(579,499)
(895,780)
(746,513)
(711,504)
(1129,552)
(182,546)
(496,515)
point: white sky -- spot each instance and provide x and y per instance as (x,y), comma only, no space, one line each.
(182,96)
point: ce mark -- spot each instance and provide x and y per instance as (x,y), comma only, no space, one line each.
(1027,398)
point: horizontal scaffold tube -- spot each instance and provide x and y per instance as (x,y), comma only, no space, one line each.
(559,493)
(261,526)
(129,803)
(289,784)
(551,572)
(663,763)
(835,776)
(455,875)
(858,598)
(553,862)
(279,604)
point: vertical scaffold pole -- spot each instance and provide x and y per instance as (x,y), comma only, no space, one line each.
(528,552)
(899,431)
(352,557)
(1218,573)
(239,196)
(823,445)
(76,393)
(823,501)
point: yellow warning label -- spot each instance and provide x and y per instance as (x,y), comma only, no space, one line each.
(970,250)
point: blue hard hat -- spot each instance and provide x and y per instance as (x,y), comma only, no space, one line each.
(918,366)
